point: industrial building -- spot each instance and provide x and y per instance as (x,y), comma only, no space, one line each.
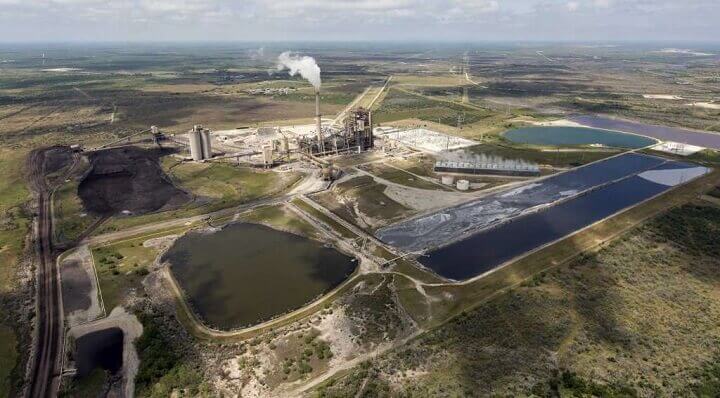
(508,168)
(200,146)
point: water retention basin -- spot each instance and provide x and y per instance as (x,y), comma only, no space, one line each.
(244,273)
(490,248)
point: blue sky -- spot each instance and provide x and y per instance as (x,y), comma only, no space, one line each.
(359,20)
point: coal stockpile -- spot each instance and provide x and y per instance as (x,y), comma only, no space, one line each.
(128,179)
(56,159)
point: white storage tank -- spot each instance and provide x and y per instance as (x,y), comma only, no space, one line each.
(196,151)
(463,185)
(447,180)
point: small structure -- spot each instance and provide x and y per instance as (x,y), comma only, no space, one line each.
(463,185)
(447,180)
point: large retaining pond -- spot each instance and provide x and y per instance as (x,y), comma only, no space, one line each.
(245,273)
(572,136)
(490,248)
(474,237)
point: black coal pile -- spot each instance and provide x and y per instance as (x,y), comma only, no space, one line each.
(128,179)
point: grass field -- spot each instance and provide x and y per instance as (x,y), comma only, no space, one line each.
(281,218)
(120,269)
(70,217)
(401,177)
(337,227)
(401,104)
(14,225)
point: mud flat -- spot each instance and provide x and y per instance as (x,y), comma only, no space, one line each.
(244,274)
(128,179)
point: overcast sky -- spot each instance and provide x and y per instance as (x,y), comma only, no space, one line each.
(266,20)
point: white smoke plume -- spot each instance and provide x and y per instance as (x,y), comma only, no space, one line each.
(305,66)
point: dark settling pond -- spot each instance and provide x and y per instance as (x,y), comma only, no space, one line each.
(102,349)
(248,273)
(561,136)
(492,247)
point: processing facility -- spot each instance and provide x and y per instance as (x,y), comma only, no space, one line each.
(506,168)
(355,136)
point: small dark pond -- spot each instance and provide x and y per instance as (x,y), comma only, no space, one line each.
(102,349)
(247,273)
(561,136)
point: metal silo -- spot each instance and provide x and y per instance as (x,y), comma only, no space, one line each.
(196,150)
(206,147)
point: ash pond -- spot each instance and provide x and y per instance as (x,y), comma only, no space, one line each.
(244,273)
(571,136)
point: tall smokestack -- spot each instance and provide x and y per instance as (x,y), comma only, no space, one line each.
(321,142)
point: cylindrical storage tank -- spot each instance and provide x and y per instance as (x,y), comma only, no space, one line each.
(447,180)
(206,147)
(463,185)
(267,152)
(196,151)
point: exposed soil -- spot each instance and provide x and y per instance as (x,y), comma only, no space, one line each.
(128,178)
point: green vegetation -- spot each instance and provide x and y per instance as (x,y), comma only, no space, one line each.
(400,177)
(569,384)
(280,217)
(92,385)
(8,358)
(374,309)
(365,381)
(14,226)
(218,186)
(414,303)
(373,206)
(638,318)
(120,269)
(336,226)
(401,104)
(70,218)
(163,370)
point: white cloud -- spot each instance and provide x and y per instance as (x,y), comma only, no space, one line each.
(602,3)
(358,19)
